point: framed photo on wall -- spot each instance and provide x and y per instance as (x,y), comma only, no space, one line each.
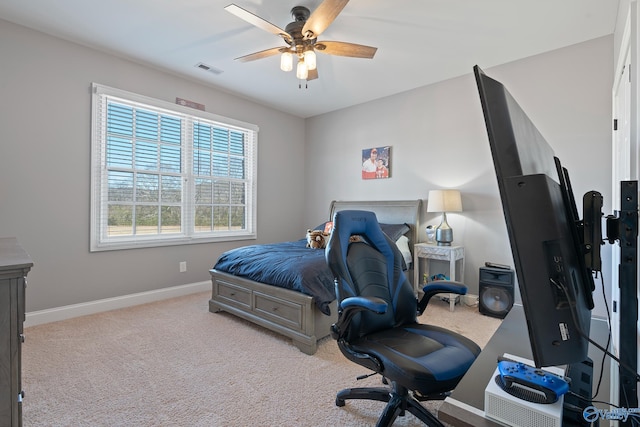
(376,163)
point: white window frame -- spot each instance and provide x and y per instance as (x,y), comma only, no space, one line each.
(99,237)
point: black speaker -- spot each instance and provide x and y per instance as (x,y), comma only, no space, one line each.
(496,291)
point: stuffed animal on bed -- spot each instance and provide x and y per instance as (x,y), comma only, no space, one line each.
(316,239)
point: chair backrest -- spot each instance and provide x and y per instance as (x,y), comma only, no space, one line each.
(370,268)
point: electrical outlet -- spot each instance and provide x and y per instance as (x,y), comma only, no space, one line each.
(183,266)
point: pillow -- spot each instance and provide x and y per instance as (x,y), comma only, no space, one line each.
(403,245)
(321,226)
(326,227)
(394,231)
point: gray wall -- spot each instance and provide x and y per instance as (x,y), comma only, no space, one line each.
(44,170)
(439,140)
(436,132)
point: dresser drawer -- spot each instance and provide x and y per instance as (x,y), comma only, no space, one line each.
(234,295)
(278,310)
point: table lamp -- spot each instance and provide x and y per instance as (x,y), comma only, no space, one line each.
(444,201)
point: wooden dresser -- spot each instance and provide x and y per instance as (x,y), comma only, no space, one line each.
(15,263)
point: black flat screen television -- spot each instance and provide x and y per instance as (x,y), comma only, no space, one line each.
(544,230)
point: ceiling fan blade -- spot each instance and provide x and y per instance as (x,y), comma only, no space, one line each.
(322,17)
(346,49)
(262,54)
(258,22)
(313,74)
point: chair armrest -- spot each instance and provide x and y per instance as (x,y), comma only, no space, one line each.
(440,287)
(350,306)
(377,305)
(445,286)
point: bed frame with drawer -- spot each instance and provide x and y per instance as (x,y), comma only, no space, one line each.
(291,313)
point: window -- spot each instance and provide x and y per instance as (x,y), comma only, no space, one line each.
(164,174)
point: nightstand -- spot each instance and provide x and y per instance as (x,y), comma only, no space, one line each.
(430,252)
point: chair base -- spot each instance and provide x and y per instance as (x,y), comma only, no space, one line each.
(398,401)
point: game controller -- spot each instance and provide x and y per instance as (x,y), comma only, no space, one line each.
(514,374)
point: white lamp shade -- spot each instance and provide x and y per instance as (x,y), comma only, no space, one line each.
(444,201)
(302,72)
(286,61)
(310,59)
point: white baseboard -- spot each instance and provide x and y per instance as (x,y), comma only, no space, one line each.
(75,310)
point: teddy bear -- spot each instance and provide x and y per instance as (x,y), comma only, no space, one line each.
(316,239)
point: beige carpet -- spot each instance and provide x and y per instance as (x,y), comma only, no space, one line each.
(173,363)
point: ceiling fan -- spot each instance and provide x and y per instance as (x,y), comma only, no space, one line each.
(301,37)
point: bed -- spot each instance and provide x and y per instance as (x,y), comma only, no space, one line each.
(288,301)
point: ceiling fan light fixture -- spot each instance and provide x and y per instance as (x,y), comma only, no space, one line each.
(302,72)
(286,61)
(310,58)
(301,38)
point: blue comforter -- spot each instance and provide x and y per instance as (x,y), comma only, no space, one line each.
(290,265)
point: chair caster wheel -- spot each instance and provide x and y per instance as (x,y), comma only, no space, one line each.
(339,402)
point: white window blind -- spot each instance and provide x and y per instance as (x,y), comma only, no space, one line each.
(164,174)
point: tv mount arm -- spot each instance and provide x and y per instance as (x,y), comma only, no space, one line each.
(624,229)
(592,230)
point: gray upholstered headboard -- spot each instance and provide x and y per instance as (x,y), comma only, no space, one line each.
(387,211)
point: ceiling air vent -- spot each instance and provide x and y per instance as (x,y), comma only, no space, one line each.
(209,68)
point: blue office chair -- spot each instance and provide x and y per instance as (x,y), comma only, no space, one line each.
(377,322)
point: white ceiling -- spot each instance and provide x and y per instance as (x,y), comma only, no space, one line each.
(419,41)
